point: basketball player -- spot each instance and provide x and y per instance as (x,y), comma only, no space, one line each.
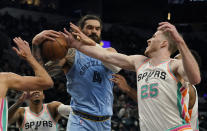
(88,80)
(159,94)
(9,80)
(38,116)
(192,101)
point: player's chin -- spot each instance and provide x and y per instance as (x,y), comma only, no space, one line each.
(146,53)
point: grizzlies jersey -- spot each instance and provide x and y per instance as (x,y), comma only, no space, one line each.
(41,122)
(3,114)
(88,83)
(194,114)
(161,97)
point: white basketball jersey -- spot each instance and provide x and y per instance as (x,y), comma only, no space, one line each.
(38,122)
(161,99)
(194,114)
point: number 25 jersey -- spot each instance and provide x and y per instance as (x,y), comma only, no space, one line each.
(161,98)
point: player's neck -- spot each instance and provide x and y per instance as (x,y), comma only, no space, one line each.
(159,56)
(36,108)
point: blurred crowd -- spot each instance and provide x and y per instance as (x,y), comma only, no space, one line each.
(123,39)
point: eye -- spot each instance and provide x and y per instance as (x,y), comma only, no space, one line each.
(98,28)
(89,27)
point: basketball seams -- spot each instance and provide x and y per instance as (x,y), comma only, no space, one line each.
(54,50)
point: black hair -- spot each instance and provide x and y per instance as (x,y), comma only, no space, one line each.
(81,22)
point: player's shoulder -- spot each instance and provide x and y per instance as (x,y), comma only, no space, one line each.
(21,110)
(53,104)
(175,63)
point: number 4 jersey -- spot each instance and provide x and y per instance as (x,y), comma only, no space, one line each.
(161,98)
(88,83)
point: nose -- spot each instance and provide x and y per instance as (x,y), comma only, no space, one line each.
(149,41)
(94,30)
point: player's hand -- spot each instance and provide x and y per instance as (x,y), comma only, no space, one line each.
(81,36)
(167,27)
(45,35)
(23,49)
(121,82)
(23,97)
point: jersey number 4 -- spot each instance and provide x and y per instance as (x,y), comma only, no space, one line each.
(97,77)
(150,90)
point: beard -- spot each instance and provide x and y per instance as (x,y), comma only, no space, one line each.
(96,38)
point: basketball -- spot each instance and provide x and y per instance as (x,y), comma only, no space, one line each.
(54,50)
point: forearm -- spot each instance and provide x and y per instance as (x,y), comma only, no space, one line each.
(111,67)
(189,63)
(37,53)
(44,78)
(11,112)
(116,59)
(64,110)
(132,93)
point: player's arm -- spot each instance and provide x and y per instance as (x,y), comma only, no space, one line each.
(58,109)
(15,112)
(187,67)
(117,59)
(111,67)
(121,82)
(192,96)
(41,80)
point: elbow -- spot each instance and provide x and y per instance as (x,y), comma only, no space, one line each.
(49,84)
(196,80)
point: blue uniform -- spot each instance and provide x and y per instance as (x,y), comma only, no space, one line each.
(88,83)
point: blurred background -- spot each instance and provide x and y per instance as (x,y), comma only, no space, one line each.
(127,26)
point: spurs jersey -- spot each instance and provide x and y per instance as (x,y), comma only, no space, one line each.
(194,114)
(3,114)
(41,122)
(161,99)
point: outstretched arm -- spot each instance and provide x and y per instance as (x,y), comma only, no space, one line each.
(111,67)
(117,59)
(188,67)
(121,82)
(41,80)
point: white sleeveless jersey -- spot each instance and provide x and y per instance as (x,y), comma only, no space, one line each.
(162,101)
(38,122)
(194,114)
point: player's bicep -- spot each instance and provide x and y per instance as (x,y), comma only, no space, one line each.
(178,69)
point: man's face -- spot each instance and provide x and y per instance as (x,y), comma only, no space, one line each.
(36,96)
(92,29)
(154,43)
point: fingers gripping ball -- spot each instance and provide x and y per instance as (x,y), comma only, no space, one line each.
(54,50)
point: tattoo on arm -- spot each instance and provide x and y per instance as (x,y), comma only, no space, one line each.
(37,54)
(70,57)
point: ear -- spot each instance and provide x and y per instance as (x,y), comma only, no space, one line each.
(43,96)
(164,44)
